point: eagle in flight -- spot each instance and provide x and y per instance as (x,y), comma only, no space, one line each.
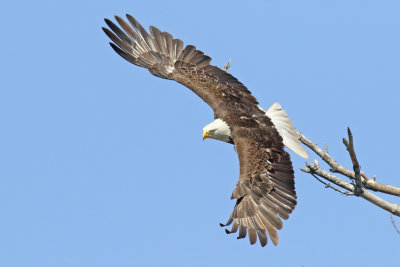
(265,191)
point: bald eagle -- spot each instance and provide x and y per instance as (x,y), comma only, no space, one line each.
(265,191)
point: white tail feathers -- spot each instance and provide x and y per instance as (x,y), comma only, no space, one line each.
(286,129)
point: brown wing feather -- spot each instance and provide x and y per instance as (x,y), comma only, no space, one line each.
(266,183)
(165,57)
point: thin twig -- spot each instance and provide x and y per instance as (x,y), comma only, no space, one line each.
(227,65)
(394,225)
(332,187)
(316,169)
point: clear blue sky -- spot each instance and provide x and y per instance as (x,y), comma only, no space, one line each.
(103,164)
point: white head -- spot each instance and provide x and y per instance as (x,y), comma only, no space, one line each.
(218,130)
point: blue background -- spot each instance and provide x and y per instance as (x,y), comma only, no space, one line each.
(103,164)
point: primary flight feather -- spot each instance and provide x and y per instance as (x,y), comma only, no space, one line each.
(265,191)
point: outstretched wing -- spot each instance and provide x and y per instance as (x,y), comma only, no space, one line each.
(265,188)
(167,58)
(266,184)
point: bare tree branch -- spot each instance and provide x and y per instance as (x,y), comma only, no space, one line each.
(356,166)
(361,182)
(337,168)
(315,169)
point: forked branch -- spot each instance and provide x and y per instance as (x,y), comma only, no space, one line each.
(359,181)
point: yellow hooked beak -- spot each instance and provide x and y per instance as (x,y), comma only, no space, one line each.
(206,134)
